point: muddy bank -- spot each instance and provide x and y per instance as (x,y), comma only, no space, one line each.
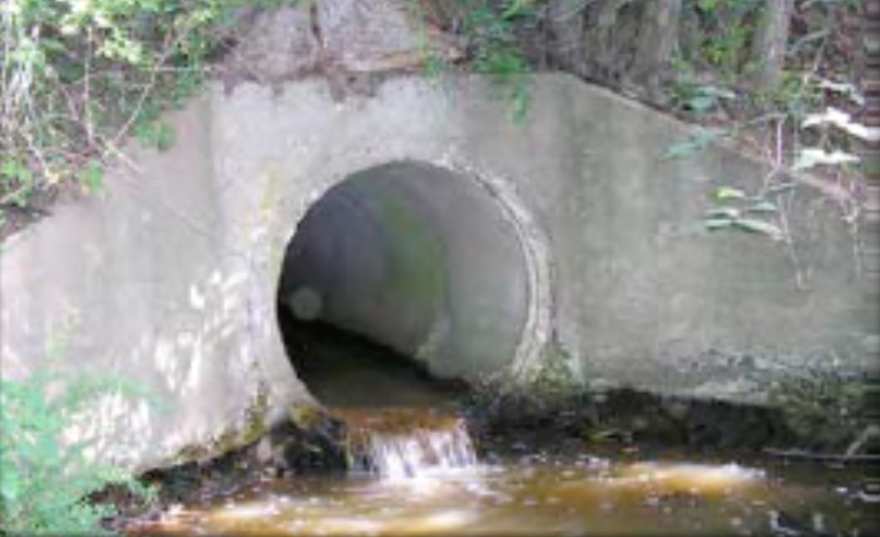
(569,421)
(310,441)
(515,421)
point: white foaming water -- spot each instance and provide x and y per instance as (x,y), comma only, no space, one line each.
(420,452)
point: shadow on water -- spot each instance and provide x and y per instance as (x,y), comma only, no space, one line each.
(342,369)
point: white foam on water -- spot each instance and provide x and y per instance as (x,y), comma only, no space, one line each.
(421,452)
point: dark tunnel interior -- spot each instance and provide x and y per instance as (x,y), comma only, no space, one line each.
(400,284)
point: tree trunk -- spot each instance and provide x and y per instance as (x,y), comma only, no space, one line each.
(870,148)
(870,234)
(769,44)
(565,25)
(623,44)
(658,42)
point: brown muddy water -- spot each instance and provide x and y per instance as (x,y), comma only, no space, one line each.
(417,473)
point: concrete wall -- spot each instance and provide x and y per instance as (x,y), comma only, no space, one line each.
(170,276)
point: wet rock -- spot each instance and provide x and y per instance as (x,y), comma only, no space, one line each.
(624,417)
(724,425)
(309,441)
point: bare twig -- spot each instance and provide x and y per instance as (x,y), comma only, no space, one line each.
(148,89)
(87,98)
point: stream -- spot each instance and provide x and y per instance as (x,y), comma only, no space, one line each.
(415,470)
(417,473)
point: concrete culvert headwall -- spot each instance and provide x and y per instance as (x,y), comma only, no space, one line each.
(423,260)
(431,223)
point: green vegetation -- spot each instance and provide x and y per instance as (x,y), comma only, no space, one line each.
(44,483)
(45,477)
(491,29)
(795,125)
(78,78)
(727,30)
(494,46)
(556,377)
(736,209)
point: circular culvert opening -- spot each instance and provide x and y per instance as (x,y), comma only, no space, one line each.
(403,278)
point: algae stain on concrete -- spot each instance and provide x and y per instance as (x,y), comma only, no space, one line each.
(418,276)
(252,425)
(263,218)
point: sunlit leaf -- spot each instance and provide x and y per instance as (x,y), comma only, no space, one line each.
(10,484)
(729,193)
(93,177)
(702,103)
(843,121)
(517,7)
(691,145)
(843,88)
(759,226)
(812,157)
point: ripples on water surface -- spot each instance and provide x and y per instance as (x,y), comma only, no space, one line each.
(424,482)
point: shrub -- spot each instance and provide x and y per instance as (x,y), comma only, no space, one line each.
(77,78)
(43,480)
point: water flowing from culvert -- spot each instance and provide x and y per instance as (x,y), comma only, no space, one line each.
(415,472)
(406,443)
(529,496)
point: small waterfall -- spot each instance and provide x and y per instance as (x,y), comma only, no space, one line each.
(407,443)
(421,452)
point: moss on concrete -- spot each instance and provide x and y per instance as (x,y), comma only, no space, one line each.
(240,434)
(422,282)
(556,374)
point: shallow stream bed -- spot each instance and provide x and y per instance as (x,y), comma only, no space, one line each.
(420,469)
(586,495)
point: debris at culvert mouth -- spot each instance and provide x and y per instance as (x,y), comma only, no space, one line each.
(309,441)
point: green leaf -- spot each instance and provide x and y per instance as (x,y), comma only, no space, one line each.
(759,226)
(718,223)
(707,5)
(730,213)
(729,193)
(42,482)
(702,103)
(10,484)
(516,8)
(763,206)
(812,157)
(155,134)
(93,177)
(691,145)
(13,171)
